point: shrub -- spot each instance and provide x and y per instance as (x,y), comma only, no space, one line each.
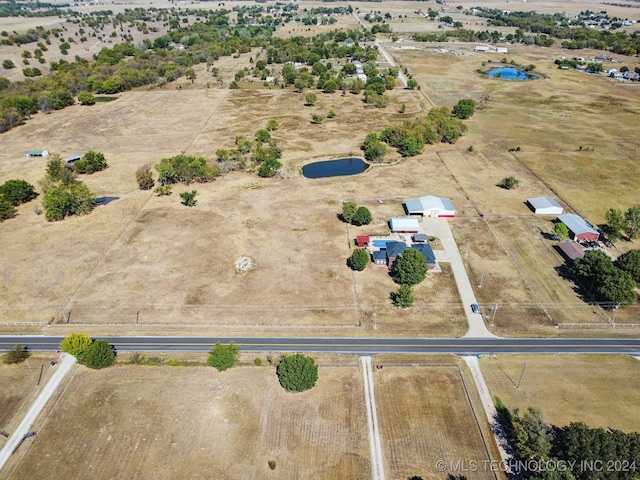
(6,210)
(509,183)
(100,354)
(189,198)
(297,373)
(91,162)
(86,98)
(257,362)
(144,177)
(163,190)
(404,296)
(16,355)
(223,357)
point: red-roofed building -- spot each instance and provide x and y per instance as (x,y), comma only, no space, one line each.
(362,240)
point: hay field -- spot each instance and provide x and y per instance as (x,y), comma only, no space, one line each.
(424,416)
(133,427)
(601,391)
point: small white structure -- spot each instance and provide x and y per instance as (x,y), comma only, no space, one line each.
(404,225)
(430,206)
(70,160)
(545,206)
(36,153)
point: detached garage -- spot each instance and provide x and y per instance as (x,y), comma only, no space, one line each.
(579,229)
(545,206)
(430,206)
(404,225)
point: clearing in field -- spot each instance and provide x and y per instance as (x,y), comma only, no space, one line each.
(425,415)
(601,391)
(161,422)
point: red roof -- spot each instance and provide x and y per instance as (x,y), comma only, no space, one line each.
(362,239)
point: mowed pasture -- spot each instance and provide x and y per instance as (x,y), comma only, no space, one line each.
(425,415)
(224,425)
(599,390)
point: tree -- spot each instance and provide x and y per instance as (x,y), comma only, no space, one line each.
(76,344)
(263,136)
(561,231)
(297,373)
(186,169)
(189,198)
(100,354)
(464,109)
(66,200)
(374,149)
(412,84)
(411,146)
(404,296)
(144,177)
(531,435)
(362,217)
(410,268)
(8,64)
(6,210)
(17,354)
(223,357)
(349,210)
(269,168)
(630,262)
(91,162)
(330,86)
(359,259)
(272,125)
(190,73)
(17,192)
(311,98)
(509,183)
(86,98)
(632,216)
(57,173)
(616,223)
(617,287)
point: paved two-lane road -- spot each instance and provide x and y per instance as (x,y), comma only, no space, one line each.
(358,346)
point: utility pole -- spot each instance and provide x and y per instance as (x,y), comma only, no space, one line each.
(493,317)
(481,278)
(615,313)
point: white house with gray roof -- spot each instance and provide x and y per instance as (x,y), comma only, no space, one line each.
(545,206)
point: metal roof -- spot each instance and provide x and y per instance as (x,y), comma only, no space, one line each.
(429,202)
(543,202)
(577,224)
(404,224)
(426,251)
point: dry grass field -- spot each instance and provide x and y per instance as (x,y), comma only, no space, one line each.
(424,416)
(225,426)
(601,391)
(149,260)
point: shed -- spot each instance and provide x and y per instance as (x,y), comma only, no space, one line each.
(362,240)
(579,228)
(544,206)
(570,250)
(70,160)
(404,225)
(420,237)
(36,153)
(430,206)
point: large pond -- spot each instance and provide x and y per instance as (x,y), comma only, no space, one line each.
(510,73)
(334,168)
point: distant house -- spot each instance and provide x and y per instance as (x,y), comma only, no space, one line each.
(362,241)
(394,249)
(570,250)
(427,252)
(544,206)
(430,206)
(579,229)
(71,160)
(404,225)
(36,153)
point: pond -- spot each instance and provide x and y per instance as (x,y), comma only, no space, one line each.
(334,168)
(510,73)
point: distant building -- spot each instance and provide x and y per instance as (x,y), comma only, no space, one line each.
(579,229)
(545,206)
(570,250)
(362,241)
(430,206)
(36,153)
(71,160)
(404,225)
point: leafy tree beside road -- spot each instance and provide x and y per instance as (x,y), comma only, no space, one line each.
(297,373)
(223,357)
(100,354)
(76,344)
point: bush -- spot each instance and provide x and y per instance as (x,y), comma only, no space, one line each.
(362,217)
(86,98)
(144,177)
(76,344)
(17,192)
(91,162)
(16,355)
(359,259)
(269,168)
(297,373)
(464,109)
(163,190)
(349,210)
(67,200)
(404,296)
(509,183)
(100,354)
(257,362)
(189,198)
(223,357)
(185,169)
(6,210)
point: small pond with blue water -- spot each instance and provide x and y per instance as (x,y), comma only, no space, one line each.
(334,168)
(510,73)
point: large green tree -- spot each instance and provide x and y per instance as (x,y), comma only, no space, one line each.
(561,231)
(349,210)
(66,200)
(359,259)
(616,223)
(630,262)
(91,162)
(76,344)
(404,296)
(362,217)
(100,354)
(297,372)
(223,357)
(632,216)
(17,192)
(464,109)
(6,209)
(410,268)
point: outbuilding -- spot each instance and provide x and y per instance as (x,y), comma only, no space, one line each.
(570,250)
(70,160)
(362,241)
(430,206)
(579,229)
(36,153)
(545,206)
(404,225)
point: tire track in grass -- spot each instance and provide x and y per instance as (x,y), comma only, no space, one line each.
(377,467)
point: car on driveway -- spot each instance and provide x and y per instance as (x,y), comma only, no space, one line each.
(475,308)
